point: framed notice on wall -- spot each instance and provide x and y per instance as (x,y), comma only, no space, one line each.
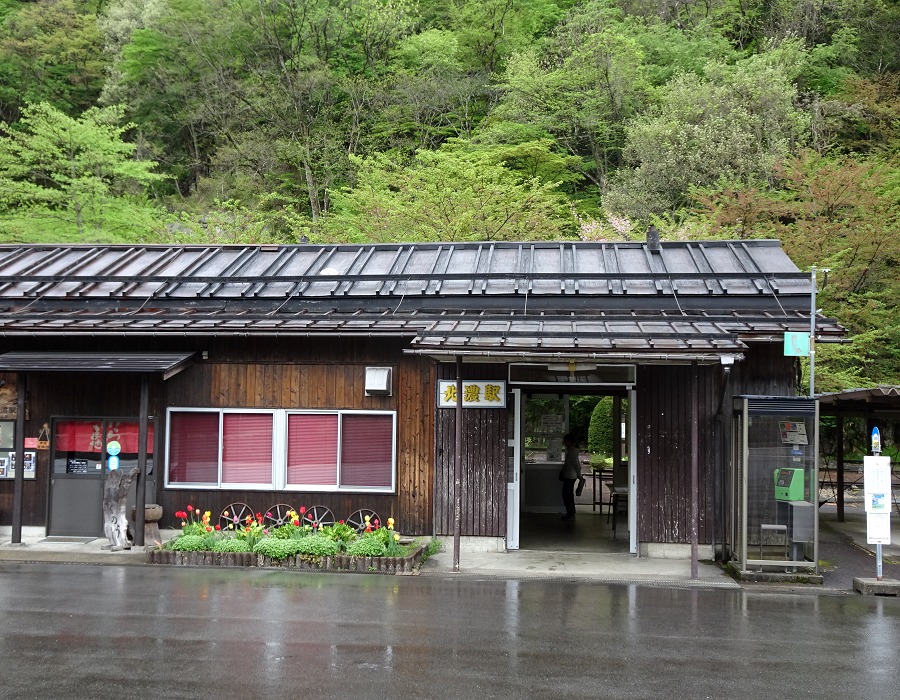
(8,465)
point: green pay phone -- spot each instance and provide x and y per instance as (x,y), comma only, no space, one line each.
(789,484)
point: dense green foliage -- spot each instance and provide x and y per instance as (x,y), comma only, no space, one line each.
(601,434)
(384,120)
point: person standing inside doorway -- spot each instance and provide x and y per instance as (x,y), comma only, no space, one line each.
(570,473)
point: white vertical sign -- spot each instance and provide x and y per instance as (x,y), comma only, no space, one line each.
(877,494)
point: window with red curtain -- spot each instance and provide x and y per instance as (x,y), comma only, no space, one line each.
(312,440)
(367,450)
(194,447)
(247,448)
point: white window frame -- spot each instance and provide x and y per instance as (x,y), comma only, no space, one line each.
(220,485)
(337,488)
(279,452)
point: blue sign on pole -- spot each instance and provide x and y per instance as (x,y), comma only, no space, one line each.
(796,344)
(876,441)
(113,462)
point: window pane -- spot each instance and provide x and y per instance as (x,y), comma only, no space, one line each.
(367,450)
(312,449)
(194,448)
(127,433)
(247,448)
(77,447)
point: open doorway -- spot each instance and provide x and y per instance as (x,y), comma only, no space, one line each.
(600,424)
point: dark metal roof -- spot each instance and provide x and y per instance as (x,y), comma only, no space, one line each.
(167,363)
(880,399)
(576,297)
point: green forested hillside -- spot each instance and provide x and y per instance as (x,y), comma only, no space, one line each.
(390,120)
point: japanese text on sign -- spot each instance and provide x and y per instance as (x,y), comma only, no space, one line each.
(476,394)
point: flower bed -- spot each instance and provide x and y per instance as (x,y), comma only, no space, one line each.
(333,563)
(296,541)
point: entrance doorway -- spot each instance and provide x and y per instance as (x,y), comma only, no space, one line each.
(601,423)
(79,465)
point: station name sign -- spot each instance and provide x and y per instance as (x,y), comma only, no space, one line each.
(476,394)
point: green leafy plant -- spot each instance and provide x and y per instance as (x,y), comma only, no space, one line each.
(317,545)
(340,532)
(190,543)
(251,530)
(370,545)
(231,544)
(278,549)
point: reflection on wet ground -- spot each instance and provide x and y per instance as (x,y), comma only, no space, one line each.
(112,632)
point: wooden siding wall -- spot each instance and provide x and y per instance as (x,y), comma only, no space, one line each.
(664,451)
(664,441)
(765,371)
(330,376)
(50,395)
(251,373)
(483,487)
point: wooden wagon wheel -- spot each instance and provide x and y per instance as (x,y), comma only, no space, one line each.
(318,516)
(278,515)
(357,519)
(234,516)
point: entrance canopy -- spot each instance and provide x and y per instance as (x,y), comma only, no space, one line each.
(166,363)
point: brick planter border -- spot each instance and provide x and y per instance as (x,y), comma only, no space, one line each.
(339,563)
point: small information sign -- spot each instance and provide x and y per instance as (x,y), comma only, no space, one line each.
(793,432)
(76,466)
(796,344)
(476,394)
(877,495)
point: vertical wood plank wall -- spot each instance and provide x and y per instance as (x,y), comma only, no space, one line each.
(330,376)
(664,451)
(253,373)
(664,441)
(483,487)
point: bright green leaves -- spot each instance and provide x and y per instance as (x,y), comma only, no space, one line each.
(51,51)
(445,196)
(75,172)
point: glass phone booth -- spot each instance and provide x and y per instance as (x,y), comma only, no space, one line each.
(775,483)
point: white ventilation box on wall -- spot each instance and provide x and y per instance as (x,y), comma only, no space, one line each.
(378,381)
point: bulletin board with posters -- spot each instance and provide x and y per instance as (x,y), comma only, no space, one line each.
(8,453)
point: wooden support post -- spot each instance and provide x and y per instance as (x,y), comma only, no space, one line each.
(19,481)
(839,487)
(140,495)
(695,470)
(457,468)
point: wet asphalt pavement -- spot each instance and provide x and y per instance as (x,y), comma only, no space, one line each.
(82,631)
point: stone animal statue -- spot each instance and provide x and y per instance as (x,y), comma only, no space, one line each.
(115,493)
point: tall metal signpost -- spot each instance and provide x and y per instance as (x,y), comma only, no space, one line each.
(877,492)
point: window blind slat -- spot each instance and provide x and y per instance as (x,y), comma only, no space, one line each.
(312,449)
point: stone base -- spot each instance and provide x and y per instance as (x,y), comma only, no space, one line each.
(668,550)
(872,586)
(473,544)
(780,577)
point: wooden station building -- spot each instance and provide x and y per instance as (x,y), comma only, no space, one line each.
(326,375)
